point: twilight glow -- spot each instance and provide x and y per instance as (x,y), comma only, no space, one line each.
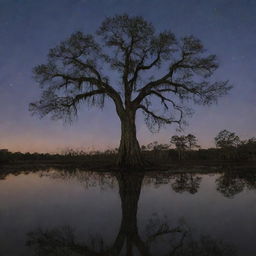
(28,29)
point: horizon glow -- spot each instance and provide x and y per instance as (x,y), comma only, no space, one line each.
(30,28)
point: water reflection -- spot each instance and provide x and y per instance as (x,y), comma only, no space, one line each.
(232,183)
(186,182)
(134,214)
(178,240)
(229,183)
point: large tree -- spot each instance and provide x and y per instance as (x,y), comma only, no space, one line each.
(130,63)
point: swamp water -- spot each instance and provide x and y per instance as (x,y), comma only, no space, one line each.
(58,212)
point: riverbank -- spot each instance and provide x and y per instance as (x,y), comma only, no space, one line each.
(109,166)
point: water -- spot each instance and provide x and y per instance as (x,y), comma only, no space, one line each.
(57,212)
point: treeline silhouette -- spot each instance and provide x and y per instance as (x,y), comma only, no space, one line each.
(229,147)
(179,149)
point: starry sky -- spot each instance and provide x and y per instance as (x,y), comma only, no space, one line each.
(29,28)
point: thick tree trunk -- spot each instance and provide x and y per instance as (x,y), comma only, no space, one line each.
(129,191)
(129,154)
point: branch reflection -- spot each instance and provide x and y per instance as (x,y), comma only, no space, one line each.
(230,184)
(178,240)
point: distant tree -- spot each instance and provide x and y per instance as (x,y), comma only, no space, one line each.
(180,143)
(247,149)
(192,141)
(162,147)
(228,142)
(144,65)
(143,148)
(183,143)
(252,141)
(156,146)
(152,145)
(226,139)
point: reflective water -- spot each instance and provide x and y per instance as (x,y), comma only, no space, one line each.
(85,213)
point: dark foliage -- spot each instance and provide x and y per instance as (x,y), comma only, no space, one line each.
(77,72)
(158,154)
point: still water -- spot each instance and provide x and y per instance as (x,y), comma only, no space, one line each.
(58,212)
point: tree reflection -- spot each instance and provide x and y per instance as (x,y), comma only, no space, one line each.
(179,240)
(186,182)
(232,183)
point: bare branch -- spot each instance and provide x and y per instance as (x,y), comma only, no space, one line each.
(76,71)
(65,107)
(153,119)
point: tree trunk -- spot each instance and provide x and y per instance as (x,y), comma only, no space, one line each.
(129,154)
(129,191)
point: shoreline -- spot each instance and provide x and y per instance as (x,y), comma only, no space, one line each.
(109,166)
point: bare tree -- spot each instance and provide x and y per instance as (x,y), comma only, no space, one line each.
(141,65)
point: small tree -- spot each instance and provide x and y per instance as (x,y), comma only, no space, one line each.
(192,141)
(144,65)
(180,142)
(226,139)
(247,149)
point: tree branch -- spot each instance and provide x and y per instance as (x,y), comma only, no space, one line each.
(140,67)
(162,81)
(158,118)
(103,86)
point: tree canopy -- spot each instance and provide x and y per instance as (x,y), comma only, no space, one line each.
(75,70)
(138,68)
(226,139)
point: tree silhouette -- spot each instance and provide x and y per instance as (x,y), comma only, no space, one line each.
(186,182)
(228,142)
(129,63)
(226,139)
(229,184)
(180,142)
(232,183)
(192,141)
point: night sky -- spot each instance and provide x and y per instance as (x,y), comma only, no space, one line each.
(29,28)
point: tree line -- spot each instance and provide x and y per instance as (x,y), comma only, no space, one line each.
(228,147)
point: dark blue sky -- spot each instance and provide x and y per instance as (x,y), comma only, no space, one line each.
(28,28)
